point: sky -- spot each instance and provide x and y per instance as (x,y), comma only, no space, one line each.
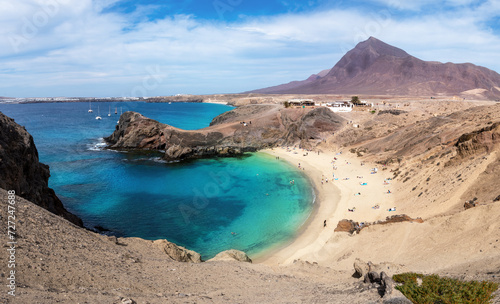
(143,48)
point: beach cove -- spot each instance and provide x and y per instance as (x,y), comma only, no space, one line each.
(334,199)
(207,205)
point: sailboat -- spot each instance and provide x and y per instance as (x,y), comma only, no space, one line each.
(98,117)
(121,112)
(90,107)
(109,114)
(116,110)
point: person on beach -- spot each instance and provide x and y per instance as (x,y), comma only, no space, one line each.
(324,223)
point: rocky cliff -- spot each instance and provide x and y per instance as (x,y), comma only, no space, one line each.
(21,171)
(479,141)
(245,129)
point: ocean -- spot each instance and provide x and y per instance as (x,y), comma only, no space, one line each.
(207,205)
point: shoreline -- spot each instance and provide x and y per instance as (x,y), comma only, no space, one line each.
(313,226)
(225,103)
(263,255)
(333,199)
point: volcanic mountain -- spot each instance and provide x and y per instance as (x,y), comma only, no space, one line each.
(377,68)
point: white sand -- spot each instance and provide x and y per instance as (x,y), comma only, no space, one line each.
(334,199)
(430,247)
(215,102)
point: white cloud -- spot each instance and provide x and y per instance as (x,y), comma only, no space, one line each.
(80,51)
(460,2)
(404,4)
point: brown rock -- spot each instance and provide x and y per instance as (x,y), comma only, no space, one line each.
(347,226)
(387,283)
(21,171)
(360,268)
(232,255)
(469,204)
(372,277)
(478,141)
(178,253)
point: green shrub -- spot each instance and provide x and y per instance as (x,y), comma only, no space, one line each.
(434,289)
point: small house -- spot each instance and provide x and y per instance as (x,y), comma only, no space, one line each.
(301,102)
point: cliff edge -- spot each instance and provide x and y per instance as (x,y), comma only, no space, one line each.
(21,171)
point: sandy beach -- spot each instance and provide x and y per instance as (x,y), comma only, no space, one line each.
(407,245)
(351,186)
(221,102)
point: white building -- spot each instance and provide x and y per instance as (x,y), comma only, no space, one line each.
(340,106)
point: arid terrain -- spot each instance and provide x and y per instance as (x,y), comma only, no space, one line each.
(434,155)
(375,67)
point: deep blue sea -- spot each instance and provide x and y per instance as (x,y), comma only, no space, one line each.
(207,205)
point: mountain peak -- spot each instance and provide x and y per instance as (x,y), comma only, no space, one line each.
(380,48)
(377,68)
(363,56)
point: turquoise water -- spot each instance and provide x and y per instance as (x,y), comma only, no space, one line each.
(207,205)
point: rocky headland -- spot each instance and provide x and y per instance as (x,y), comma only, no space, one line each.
(244,129)
(21,171)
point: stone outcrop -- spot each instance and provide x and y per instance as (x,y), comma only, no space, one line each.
(376,276)
(347,226)
(361,268)
(398,219)
(147,133)
(387,283)
(21,171)
(471,203)
(352,226)
(232,255)
(181,254)
(178,253)
(479,141)
(244,129)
